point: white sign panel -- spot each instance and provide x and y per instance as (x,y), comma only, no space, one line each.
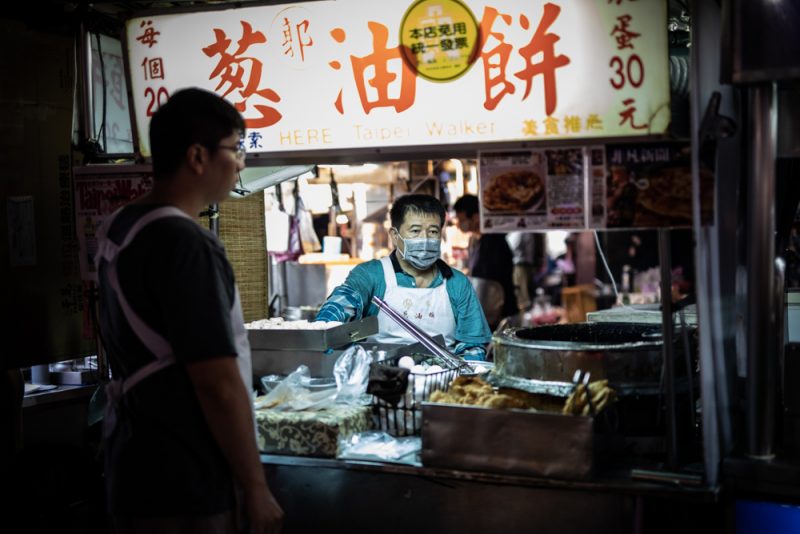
(359,73)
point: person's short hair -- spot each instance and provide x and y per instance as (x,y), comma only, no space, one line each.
(424,204)
(468,205)
(189,116)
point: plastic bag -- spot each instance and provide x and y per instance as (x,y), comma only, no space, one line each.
(292,394)
(296,392)
(380,446)
(351,372)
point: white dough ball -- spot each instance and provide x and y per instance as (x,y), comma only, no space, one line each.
(418,369)
(406,362)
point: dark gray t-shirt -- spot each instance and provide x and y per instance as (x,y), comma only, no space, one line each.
(163,459)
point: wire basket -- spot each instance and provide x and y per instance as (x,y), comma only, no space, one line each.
(405,418)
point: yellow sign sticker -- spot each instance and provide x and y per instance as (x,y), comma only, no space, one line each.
(439,39)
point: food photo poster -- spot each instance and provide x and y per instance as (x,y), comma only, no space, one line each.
(615,186)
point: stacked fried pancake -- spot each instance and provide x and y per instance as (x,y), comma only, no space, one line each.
(513,191)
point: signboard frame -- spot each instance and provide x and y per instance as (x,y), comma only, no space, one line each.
(368,152)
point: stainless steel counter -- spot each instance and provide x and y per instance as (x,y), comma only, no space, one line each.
(58,394)
(362,496)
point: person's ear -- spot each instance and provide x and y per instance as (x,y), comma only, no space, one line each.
(196,157)
(393,234)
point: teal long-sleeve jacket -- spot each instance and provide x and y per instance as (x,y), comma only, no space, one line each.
(352,301)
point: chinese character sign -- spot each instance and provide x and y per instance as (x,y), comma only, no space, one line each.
(358,74)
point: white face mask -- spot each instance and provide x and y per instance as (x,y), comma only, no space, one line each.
(421,252)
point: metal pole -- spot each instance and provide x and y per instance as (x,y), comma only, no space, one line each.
(760,224)
(665,261)
(83,52)
(213,219)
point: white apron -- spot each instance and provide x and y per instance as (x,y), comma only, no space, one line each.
(160,347)
(428,308)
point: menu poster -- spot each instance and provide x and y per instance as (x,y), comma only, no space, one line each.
(512,190)
(565,185)
(531,189)
(651,186)
(597,186)
(98,194)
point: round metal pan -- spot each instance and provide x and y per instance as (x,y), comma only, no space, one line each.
(627,354)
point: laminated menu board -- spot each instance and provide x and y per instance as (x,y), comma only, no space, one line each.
(532,189)
(99,191)
(614,186)
(650,186)
(596,184)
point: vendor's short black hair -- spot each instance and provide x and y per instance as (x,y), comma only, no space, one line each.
(189,116)
(468,205)
(415,204)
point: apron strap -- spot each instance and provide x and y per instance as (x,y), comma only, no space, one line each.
(388,272)
(155,343)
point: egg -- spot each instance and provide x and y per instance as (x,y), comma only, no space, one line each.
(418,369)
(406,362)
(434,369)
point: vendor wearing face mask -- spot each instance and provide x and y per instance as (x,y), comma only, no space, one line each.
(415,282)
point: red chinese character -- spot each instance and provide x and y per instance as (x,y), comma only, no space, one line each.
(287,38)
(231,69)
(153,68)
(544,43)
(494,59)
(301,30)
(339,36)
(622,34)
(627,115)
(149,35)
(379,60)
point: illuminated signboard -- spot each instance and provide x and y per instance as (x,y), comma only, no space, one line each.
(349,74)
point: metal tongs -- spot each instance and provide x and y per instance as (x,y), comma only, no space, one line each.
(451,361)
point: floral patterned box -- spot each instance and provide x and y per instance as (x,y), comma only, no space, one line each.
(310,433)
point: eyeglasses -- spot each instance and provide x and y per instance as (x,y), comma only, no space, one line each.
(239,150)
